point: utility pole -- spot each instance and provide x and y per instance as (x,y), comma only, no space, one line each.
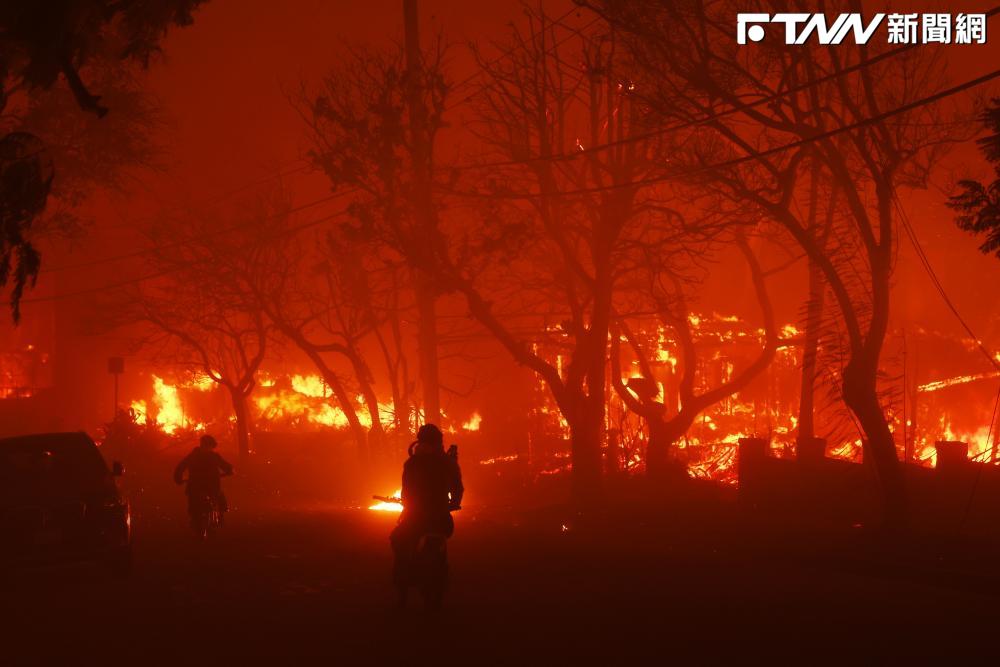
(425,217)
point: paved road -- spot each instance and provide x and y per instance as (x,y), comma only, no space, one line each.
(308,585)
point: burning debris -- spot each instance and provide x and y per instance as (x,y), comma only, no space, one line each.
(165,408)
(390,503)
(765,408)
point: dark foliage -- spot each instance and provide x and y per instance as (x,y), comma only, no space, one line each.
(25,180)
(978,205)
(41,40)
(38,42)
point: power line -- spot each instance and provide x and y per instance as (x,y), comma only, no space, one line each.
(479,71)
(248,186)
(183,242)
(733,162)
(306,166)
(739,108)
(226,194)
(750,157)
(291,231)
(991,448)
(929,269)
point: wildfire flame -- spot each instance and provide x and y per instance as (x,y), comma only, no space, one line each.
(167,410)
(708,449)
(296,407)
(473,423)
(309,385)
(961,379)
(383,506)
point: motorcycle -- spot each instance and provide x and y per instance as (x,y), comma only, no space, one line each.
(425,567)
(206,513)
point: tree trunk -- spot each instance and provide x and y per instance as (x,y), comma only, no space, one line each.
(665,430)
(376,434)
(427,344)
(588,436)
(814,314)
(861,377)
(585,451)
(810,351)
(426,216)
(663,434)
(392,370)
(357,428)
(862,398)
(658,449)
(337,388)
(363,374)
(242,414)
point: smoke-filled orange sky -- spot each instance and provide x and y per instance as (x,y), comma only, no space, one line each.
(224,83)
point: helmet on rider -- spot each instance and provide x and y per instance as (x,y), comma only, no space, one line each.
(429,440)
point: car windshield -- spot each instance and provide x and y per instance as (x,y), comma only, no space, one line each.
(61,466)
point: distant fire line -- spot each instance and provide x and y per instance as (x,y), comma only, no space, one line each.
(961,379)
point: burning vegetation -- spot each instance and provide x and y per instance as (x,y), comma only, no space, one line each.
(944,409)
(650,247)
(658,314)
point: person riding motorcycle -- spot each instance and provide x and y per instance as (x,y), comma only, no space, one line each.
(432,489)
(205,469)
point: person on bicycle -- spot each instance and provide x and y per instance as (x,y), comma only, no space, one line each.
(432,489)
(204,468)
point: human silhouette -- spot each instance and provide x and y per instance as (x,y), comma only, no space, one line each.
(432,489)
(205,469)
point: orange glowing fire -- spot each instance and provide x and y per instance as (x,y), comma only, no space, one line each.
(306,400)
(167,410)
(473,423)
(385,506)
(979,441)
(708,449)
(961,379)
(296,407)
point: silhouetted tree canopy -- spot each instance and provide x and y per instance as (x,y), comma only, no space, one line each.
(978,205)
(38,42)
(25,179)
(41,40)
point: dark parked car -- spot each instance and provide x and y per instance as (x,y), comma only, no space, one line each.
(59,503)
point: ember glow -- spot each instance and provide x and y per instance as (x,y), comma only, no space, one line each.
(951,382)
(708,450)
(661,298)
(309,385)
(165,408)
(473,422)
(299,409)
(385,506)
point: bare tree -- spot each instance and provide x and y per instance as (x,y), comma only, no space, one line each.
(640,394)
(564,247)
(196,314)
(778,111)
(199,329)
(373,127)
(322,289)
